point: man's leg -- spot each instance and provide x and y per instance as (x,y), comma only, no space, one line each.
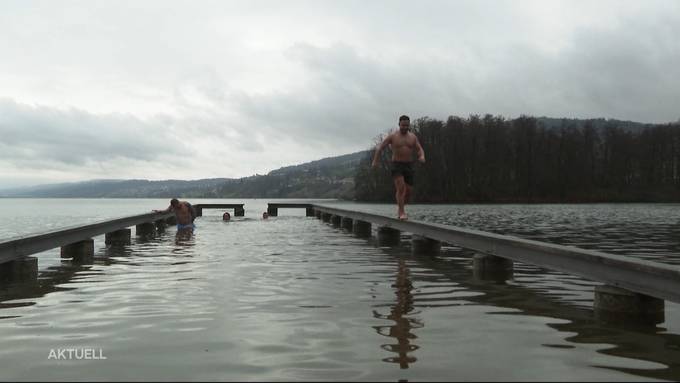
(407,193)
(399,185)
(405,199)
(408,182)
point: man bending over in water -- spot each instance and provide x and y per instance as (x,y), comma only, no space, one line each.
(184,213)
(403,144)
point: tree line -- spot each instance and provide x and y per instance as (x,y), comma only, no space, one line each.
(493,159)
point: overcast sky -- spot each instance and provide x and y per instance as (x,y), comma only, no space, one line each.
(202,89)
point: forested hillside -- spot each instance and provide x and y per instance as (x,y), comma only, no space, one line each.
(492,159)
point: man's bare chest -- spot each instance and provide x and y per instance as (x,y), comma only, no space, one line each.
(402,142)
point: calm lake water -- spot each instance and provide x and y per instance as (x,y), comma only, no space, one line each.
(292,298)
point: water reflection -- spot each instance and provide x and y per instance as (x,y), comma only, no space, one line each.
(184,243)
(184,237)
(54,278)
(649,343)
(403,325)
(265,288)
(48,281)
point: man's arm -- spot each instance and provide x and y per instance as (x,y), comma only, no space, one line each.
(421,152)
(164,211)
(379,149)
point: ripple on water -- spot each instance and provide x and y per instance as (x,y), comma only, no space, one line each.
(295,299)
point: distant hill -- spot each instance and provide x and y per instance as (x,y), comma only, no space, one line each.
(341,166)
(118,189)
(331,177)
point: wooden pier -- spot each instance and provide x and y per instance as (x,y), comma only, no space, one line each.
(273,208)
(75,242)
(239,211)
(632,287)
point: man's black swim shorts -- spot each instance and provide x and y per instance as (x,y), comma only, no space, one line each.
(405,169)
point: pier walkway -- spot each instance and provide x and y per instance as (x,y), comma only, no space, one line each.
(632,288)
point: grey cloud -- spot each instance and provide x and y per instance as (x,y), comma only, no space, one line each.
(631,72)
(436,58)
(623,73)
(74,137)
(347,99)
(627,72)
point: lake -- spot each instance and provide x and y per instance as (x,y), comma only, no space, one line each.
(292,298)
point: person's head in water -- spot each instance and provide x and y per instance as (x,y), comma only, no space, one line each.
(404,124)
(226,216)
(265,215)
(174,202)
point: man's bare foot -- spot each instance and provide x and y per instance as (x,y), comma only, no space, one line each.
(403,216)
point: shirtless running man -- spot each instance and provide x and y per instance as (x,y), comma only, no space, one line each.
(403,144)
(183,212)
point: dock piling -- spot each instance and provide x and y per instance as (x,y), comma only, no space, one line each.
(160,225)
(346,223)
(425,246)
(617,305)
(335,220)
(81,251)
(488,267)
(361,228)
(388,236)
(145,229)
(20,270)
(118,237)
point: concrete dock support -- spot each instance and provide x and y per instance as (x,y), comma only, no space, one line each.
(272,211)
(309,212)
(81,251)
(160,225)
(346,223)
(22,269)
(425,246)
(388,236)
(144,229)
(199,211)
(171,220)
(335,220)
(361,228)
(326,217)
(488,267)
(616,305)
(118,237)
(318,214)
(240,212)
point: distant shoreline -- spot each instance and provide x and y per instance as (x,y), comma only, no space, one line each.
(543,202)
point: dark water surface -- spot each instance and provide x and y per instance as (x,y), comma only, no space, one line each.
(292,298)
